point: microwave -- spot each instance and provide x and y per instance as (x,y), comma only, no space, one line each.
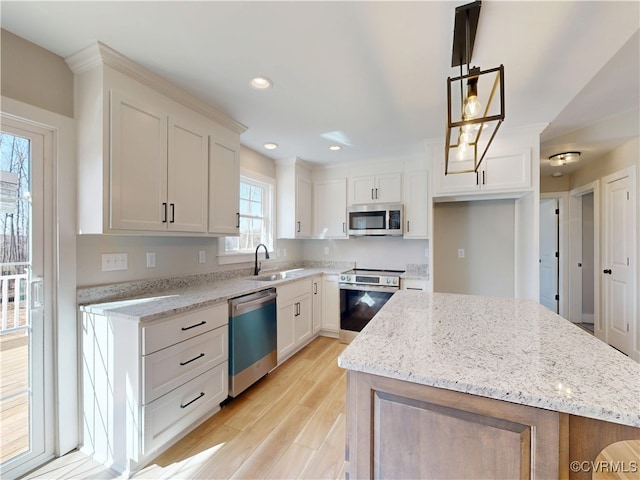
(376,219)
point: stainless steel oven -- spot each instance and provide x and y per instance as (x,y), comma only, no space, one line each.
(363,293)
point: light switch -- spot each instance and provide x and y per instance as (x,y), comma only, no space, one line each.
(114,261)
(202,256)
(461,253)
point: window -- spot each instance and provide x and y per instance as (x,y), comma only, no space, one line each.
(256,217)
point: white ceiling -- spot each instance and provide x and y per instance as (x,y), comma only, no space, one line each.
(372,73)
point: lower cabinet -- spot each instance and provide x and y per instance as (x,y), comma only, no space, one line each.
(295,319)
(316,292)
(146,385)
(330,305)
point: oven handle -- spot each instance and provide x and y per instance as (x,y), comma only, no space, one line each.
(370,288)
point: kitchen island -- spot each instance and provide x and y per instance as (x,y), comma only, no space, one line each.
(460,386)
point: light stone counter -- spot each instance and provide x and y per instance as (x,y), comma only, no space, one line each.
(501,348)
(157,302)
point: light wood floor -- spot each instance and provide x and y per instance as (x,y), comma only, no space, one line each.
(289,425)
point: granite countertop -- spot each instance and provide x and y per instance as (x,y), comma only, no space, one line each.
(158,303)
(503,348)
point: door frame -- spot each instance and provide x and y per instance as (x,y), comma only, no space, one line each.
(563,249)
(62,194)
(575,256)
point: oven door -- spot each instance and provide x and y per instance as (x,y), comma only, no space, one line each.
(358,305)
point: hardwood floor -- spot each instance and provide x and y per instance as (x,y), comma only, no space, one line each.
(291,424)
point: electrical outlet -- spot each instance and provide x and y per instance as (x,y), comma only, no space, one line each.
(151,259)
(278,253)
(114,261)
(326,250)
(284,252)
(202,256)
(461,253)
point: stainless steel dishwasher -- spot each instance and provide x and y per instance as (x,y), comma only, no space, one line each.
(252,339)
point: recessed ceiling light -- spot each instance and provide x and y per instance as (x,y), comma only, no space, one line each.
(270,146)
(335,148)
(261,83)
(556,174)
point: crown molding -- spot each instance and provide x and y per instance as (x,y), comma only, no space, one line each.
(100,54)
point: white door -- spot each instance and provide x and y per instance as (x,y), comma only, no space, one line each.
(618,275)
(548,253)
(26,359)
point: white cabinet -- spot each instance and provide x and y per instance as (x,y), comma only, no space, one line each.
(330,208)
(316,292)
(143,150)
(414,284)
(224,185)
(330,305)
(416,204)
(294,317)
(497,174)
(382,188)
(293,187)
(145,385)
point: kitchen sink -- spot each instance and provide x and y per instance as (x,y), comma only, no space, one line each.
(270,277)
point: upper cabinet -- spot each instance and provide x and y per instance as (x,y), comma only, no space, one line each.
(330,208)
(149,154)
(382,188)
(293,186)
(416,204)
(508,173)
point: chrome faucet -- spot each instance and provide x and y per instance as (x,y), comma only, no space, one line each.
(256,268)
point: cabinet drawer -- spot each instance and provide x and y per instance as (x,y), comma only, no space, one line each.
(293,290)
(169,368)
(172,413)
(181,327)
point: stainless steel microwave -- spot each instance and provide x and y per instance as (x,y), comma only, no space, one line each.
(376,219)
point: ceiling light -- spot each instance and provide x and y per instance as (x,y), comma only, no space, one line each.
(475,99)
(556,174)
(261,83)
(561,159)
(335,148)
(270,146)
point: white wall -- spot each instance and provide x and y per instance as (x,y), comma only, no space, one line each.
(486,231)
(389,253)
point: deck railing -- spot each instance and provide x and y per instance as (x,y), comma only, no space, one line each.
(15,298)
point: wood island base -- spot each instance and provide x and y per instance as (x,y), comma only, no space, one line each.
(399,429)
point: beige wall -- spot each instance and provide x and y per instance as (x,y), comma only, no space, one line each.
(486,231)
(550,184)
(34,75)
(618,159)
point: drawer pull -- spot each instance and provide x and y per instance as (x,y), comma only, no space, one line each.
(182,364)
(194,326)
(197,398)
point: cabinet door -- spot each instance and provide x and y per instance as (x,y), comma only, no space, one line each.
(330,209)
(316,292)
(188,176)
(286,339)
(362,190)
(507,172)
(303,208)
(416,204)
(388,188)
(330,303)
(303,321)
(224,187)
(456,182)
(138,173)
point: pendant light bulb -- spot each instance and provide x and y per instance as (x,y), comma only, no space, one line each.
(472,106)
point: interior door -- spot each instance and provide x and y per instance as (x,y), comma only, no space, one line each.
(26,358)
(619,260)
(548,253)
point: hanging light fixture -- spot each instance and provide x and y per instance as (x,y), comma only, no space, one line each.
(561,159)
(473,116)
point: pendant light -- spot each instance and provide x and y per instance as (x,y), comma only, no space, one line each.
(475,114)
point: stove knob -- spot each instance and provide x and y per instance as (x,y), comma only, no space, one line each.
(388,280)
(343,278)
(395,281)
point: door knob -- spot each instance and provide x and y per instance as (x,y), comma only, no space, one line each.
(607,271)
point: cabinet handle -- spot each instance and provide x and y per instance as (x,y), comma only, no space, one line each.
(164,212)
(238,220)
(408,225)
(182,364)
(376,194)
(173,213)
(344,227)
(483,178)
(194,326)
(298,227)
(315,288)
(372,197)
(477,178)
(197,398)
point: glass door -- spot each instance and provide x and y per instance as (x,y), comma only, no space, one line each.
(25,328)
